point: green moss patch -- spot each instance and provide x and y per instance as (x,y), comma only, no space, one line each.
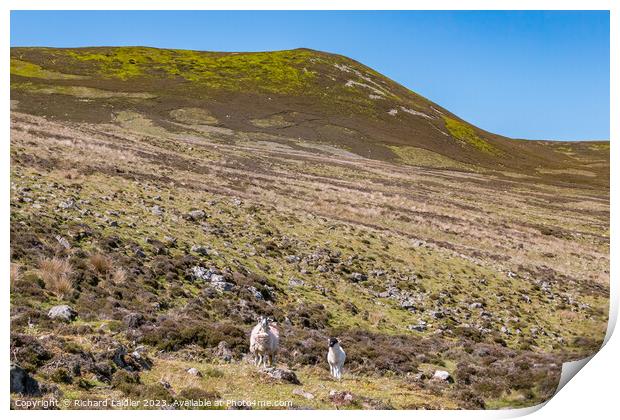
(416,156)
(466,133)
(27,69)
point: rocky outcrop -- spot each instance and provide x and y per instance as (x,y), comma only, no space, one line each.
(23,383)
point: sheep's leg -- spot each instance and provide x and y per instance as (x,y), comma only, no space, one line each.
(331,370)
(273,360)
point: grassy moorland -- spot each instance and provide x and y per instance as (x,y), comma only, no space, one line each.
(422,242)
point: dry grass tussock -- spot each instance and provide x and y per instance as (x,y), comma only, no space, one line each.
(104,266)
(119,276)
(100,263)
(56,274)
(16,274)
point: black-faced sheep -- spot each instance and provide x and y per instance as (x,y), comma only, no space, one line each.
(335,357)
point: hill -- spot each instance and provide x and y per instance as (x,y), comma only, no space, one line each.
(172,197)
(301,93)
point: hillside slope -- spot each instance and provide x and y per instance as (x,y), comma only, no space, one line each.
(172,197)
(296,93)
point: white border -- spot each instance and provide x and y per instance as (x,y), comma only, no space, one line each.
(596,390)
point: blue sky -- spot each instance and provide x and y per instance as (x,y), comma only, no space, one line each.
(524,74)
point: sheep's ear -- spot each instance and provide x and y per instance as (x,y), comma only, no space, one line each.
(270,319)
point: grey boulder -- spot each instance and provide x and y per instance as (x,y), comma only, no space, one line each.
(62,312)
(22,383)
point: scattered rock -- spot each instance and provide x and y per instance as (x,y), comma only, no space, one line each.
(62,312)
(295,282)
(65,205)
(201,273)
(200,249)
(439,314)
(302,393)
(357,277)
(292,259)
(194,372)
(63,242)
(443,376)
(165,384)
(132,362)
(284,375)
(419,377)
(22,383)
(157,210)
(341,397)
(196,215)
(223,351)
(420,326)
(170,241)
(222,286)
(408,304)
(139,252)
(133,320)
(257,294)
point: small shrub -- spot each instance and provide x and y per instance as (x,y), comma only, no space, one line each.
(198,394)
(129,384)
(73,348)
(56,275)
(61,376)
(29,352)
(469,399)
(172,335)
(125,381)
(84,384)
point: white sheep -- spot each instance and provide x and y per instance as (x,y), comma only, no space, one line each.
(335,357)
(264,342)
